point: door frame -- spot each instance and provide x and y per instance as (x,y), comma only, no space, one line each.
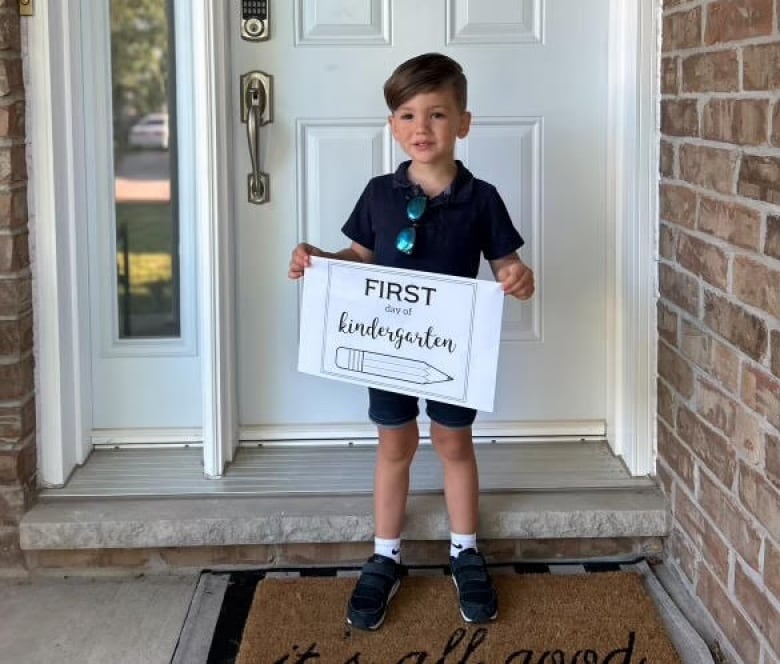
(59,171)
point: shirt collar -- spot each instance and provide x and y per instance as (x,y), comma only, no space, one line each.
(458,192)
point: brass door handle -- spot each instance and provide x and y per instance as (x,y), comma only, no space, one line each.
(256,97)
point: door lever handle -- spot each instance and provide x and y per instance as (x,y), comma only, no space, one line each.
(256,97)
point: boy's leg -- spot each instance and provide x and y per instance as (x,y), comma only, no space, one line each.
(395,416)
(394,456)
(476,594)
(455,449)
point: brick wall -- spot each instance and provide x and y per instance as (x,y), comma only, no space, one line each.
(17,406)
(719,345)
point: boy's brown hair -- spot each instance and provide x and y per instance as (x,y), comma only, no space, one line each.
(425,73)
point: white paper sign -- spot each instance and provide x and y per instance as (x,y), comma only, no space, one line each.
(417,333)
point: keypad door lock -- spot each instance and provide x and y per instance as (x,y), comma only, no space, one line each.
(255,20)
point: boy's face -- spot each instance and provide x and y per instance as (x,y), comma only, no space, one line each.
(427,126)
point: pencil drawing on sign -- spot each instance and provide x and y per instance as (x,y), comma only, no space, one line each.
(389,366)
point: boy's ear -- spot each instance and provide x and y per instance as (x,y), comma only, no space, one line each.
(465,124)
(392,125)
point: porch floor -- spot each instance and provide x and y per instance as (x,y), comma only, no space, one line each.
(130,499)
(277,470)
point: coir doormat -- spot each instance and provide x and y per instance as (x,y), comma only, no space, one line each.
(605,618)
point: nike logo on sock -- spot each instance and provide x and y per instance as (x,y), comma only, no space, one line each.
(396,551)
(457,546)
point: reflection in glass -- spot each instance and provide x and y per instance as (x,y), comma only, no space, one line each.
(144,112)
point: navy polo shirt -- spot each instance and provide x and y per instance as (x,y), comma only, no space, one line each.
(466,221)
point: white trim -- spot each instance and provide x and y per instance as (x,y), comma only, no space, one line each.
(211,102)
(146,437)
(632,217)
(62,343)
(319,433)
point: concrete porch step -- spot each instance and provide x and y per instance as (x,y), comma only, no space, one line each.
(271,530)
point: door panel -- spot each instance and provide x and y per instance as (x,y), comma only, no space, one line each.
(539,104)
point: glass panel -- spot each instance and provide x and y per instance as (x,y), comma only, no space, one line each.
(144,117)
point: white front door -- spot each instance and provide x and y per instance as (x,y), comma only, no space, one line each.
(537,75)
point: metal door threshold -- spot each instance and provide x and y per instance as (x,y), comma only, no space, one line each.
(278,470)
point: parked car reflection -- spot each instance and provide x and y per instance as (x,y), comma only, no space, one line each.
(151,131)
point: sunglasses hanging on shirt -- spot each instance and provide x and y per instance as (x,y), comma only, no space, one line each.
(406,239)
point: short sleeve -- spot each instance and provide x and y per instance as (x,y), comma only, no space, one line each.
(499,237)
(359,226)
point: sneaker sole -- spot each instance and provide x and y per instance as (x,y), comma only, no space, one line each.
(393,591)
(471,621)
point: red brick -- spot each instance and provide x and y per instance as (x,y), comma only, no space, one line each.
(10,553)
(715,407)
(667,324)
(16,379)
(17,422)
(746,331)
(12,120)
(679,117)
(682,30)
(703,259)
(15,500)
(664,477)
(759,178)
(681,289)
(13,209)
(708,445)
(14,252)
(15,295)
(670,83)
(16,336)
(695,524)
(761,393)
(756,604)
(11,78)
(729,20)
(680,550)
(736,526)
(772,242)
(772,568)
(742,121)
(10,32)
(678,204)
(675,370)
(716,71)
(761,66)
(13,164)
(731,221)
(675,455)
(774,137)
(760,498)
(712,168)
(757,284)
(666,162)
(666,403)
(667,242)
(718,360)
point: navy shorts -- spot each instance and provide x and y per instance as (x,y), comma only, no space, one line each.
(390,409)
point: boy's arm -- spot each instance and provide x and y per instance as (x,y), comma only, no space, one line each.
(515,277)
(301,257)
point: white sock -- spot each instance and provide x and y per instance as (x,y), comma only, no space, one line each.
(389,548)
(460,542)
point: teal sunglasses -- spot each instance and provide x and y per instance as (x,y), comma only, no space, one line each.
(415,209)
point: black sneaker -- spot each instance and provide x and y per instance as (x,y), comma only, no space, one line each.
(378,582)
(476,594)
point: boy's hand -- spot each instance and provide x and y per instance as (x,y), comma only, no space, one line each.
(301,259)
(517,279)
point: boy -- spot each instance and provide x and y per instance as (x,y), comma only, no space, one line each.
(430,215)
